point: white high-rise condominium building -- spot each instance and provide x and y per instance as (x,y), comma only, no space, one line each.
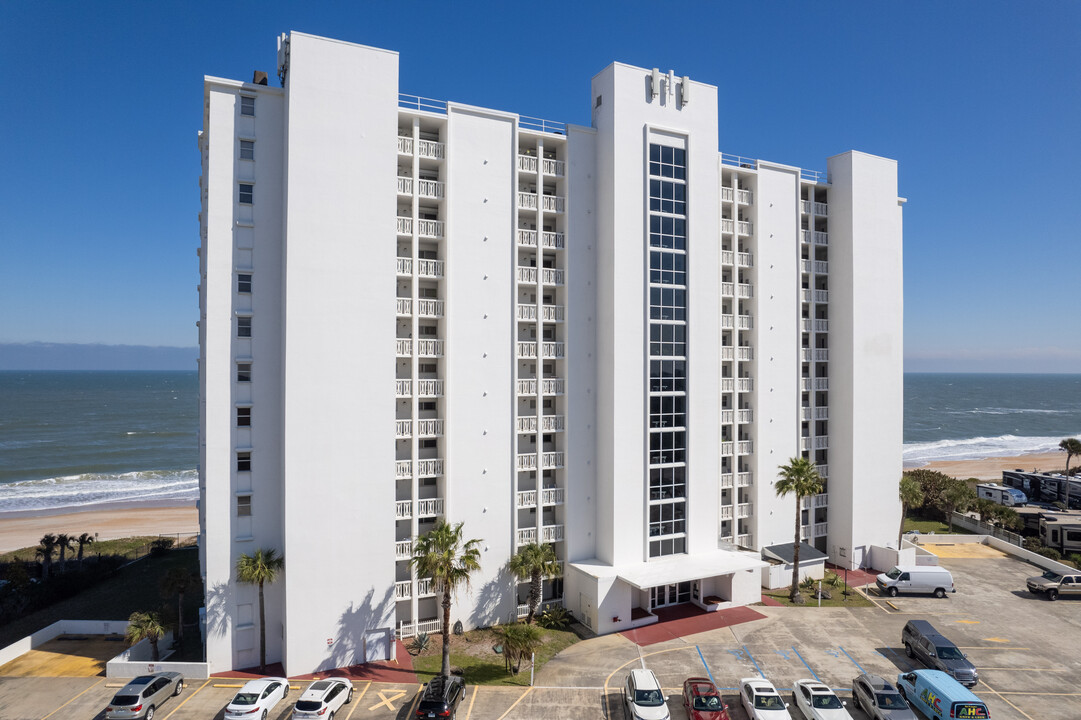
(606,338)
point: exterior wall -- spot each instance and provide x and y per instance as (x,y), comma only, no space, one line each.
(777,344)
(480,331)
(866,330)
(338,317)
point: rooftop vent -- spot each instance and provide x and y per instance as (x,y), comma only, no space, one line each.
(259,77)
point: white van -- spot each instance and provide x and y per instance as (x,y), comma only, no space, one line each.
(922,579)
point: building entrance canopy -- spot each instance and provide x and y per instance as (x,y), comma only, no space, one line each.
(675,568)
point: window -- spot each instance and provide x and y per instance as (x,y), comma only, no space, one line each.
(247,149)
(427,367)
(243,417)
(428,330)
(666,483)
(243,462)
(426,406)
(243,283)
(667,232)
(667,197)
(667,447)
(243,372)
(428,443)
(666,268)
(247,105)
(667,411)
(667,304)
(243,506)
(247,193)
(667,375)
(243,326)
(667,162)
(667,340)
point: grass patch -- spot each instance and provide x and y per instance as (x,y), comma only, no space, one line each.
(131,547)
(472,652)
(132,588)
(838,600)
(928,525)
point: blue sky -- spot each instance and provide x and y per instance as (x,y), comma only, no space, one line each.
(980,102)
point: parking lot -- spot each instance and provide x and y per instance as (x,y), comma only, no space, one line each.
(1025,648)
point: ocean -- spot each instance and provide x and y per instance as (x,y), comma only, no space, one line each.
(89,440)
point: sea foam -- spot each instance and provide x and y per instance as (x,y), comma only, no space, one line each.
(975,448)
(93,489)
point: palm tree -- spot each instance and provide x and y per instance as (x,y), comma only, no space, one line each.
(535,563)
(519,641)
(1072,446)
(260,568)
(45,551)
(83,540)
(63,543)
(911,495)
(956,496)
(177,582)
(799,476)
(442,556)
(149,626)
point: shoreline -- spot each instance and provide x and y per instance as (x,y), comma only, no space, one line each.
(20,530)
(990,469)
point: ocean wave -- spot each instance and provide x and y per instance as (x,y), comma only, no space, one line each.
(976,448)
(1008,411)
(91,489)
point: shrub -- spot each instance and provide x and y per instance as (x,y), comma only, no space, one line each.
(555,617)
(1051,553)
(161,546)
(420,643)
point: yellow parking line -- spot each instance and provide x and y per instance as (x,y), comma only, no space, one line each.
(99,682)
(992,690)
(522,697)
(356,702)
(229,685)
(189,697)
(416,699)
(476,689)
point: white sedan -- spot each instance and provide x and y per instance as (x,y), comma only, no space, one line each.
(817,702)
(322,699)
(257,698)
(761,700)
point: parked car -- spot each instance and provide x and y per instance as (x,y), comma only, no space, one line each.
(257,698)
(927,579)
(143,695)
(1053,584)
(702,700)
(441,697)
(876,697)
(936,652)
(937,695)
(322,699)
(644,698)
(815,701)
(761,700)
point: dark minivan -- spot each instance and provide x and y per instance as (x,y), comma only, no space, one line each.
(923,642)
(441,697)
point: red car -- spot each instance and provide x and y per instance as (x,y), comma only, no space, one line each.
(702,700)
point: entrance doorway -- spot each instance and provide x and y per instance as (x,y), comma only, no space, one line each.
(673,594)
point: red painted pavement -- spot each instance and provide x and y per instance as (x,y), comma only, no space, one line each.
(856,578)
(688,619)
(391,671)
(767,600)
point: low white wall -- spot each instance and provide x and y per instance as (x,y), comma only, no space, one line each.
(779,576)
(190,670)
(1027,555)
(61,627)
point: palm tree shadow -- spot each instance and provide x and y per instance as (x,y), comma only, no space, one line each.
(217,616)
(365,630)
(494,600)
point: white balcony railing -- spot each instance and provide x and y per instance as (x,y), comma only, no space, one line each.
(822,413)
(728,352)
(822,384)
(746,290)
(433,150)
(527,201)
(805,206)
(403,428)
(727,384)
(726,194)
(805,295)
(403,550)
(551,533)
(745,447)
(822,296)
(727,322)
(746,322)
(823,471)
(744,227)
(805,384)
(526,499)
(526,461)
(727,417)
(728,225)
(405,266)
(527,238)
(430,268)
(822,238)
(745,352)
(726,512)
(744,259)
(527,535)
(405,145)
(745,416)
(527,163)
(727,257)
(426,588)
(523,608)
(744,479)
(806,236)
(822,442)
(743,510)
(822,355)
(552,203)
(527,275)
(403,509)
(403,388)
(430,308)
(552,240)
(430,348)
(821,267)
(553,167)
(552,496)
(745,541)
(405,306)
(553,350)
(821,209)
(431,189)
(405,226)
(430,388)
(551,386)
(727,446)
(403,347)
(551,460)
(727,480)
(430,229)
(403,469)
(405,185)
(429,507)
(430,428)
(527,350)
(744,196)
(430,468)
(403,589)
(551,276)
(548,423)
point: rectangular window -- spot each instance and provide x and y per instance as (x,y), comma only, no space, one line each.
(667,411)
(667,340)
(426,406)
(667,268)
(667,447)
(243,372)
(243,417)
(428,443)
(668,376)
(667,197)
(247,193)
(668,162)
(243,462)
(667,232)
(243,506)
(243,283)
(243,326)
(667,303)
(667,483)
(247,105)
(247,149)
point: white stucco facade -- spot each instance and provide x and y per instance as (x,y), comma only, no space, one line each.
(605,338)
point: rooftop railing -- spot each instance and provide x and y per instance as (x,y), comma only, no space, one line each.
(415,102)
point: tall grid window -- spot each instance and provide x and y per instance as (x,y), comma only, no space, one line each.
(667,350)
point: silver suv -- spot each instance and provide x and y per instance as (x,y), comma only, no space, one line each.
(644,698)
(1053,584)
(143,695)
(923,642)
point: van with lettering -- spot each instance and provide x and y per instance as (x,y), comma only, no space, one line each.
(939,697)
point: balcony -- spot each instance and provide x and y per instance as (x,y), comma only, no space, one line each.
(403,550)
(746,322)
(821,384)
(426,588)
(805,295)
(745,447)
(821,238)
(744,416)
(728,384)
(551,276)
(552,533)
(727,446)
(405,306)
(822,296)
(821,209)
(822,355)
(405,185)
(430,388)
(728,352)
(430,308)
(432,150)
(744,479)
(805,384)
(403,388)
(727,257)
(403,509)
(745,541)
(432,189)
(822,442)
(727,417)
(728,225)
(430,428)
(548,496)
(743,510)
(403,469)
(431,229)
(821,529)
(430,268)
(744,352)
(552,203)
(430,348)
(727,512)
(527,201)
(548,461)
(403,429)
(746,290)
(403,347)
(822,413)
(430,468)
(405,266)
(727,194)
(548,423)
(527,163)
(744,227)
(403,589)
(556,168)
(549,240)
(745,197)
(548,386)
(744,260)
(405,225)
(821,267)
(728,289)
(549,313)
(405,145)
(822,326)
(806,207)
(823,471)
(549,350)
(815,501)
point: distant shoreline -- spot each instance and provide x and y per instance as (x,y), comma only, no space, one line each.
(990,468)
(27,530)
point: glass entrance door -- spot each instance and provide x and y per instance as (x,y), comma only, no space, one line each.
(672,594)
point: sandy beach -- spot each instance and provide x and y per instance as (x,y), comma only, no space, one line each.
(990,469)
(19,531)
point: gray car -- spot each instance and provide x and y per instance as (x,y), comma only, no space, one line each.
(880,700)
(143,695)
(936,652)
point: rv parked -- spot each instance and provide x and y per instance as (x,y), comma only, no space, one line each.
(1008,496)
(925,579)
(1062,532)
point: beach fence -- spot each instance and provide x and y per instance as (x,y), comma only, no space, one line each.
(974,525)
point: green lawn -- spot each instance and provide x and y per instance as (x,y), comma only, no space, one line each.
(854,599)
(134,587)
(481,665)
(925,525)
(130,547)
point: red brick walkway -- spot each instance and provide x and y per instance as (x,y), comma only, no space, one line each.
(391,671)
(856,578)
(688,619)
